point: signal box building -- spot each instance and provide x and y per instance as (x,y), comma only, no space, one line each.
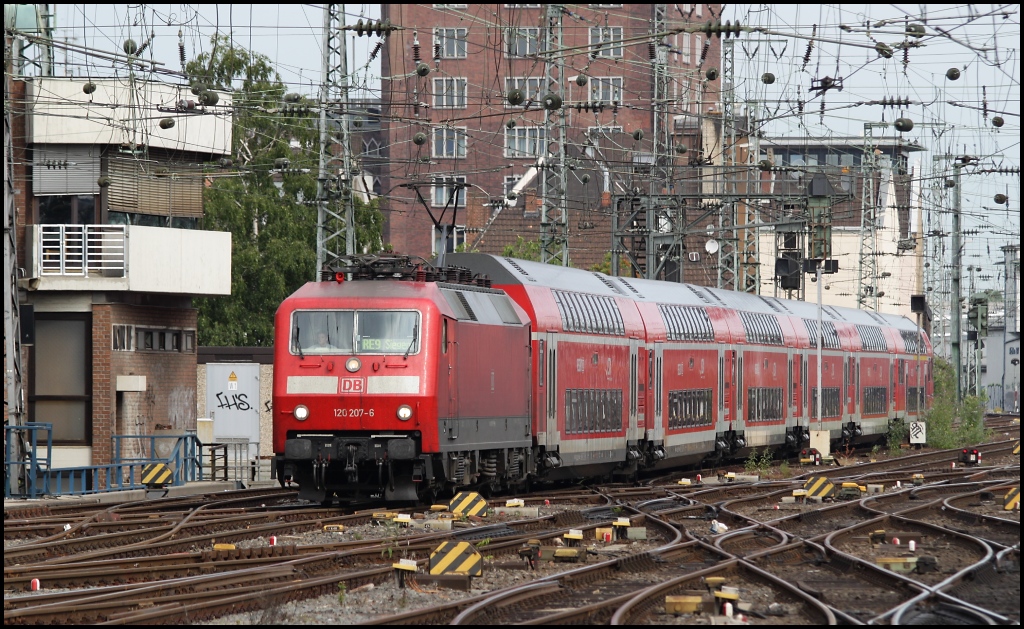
(109,178)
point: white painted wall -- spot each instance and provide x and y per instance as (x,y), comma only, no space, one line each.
(61,113)
(187,261)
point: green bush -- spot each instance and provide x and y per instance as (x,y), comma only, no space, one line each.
(953,424)
(897,435)
(753,462)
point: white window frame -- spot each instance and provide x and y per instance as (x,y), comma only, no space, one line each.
(514,36)
(605,88)
(525,83)
(458,238)
(522,6)
(450,92)
(607,35)
(372,147)
(450,38)
(442,136)
(122,337)
(699,9)
(519,141)
(440,191)
(698,46)
(685,48)
(603,130)
(444,7)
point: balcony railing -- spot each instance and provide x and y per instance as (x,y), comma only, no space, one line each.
(82,250)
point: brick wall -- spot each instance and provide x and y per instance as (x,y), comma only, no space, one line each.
(170,396)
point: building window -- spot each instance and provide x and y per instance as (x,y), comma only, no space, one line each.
(371,147)
(448,239)
(449,191)
(164,340)
(597,132)
(684,49)
(122,337)
(524,142)
(602,38)
(698,46)
(449,142)
(452,41)
(444,7)
(530,87)
(522,42)
(60,390)
(700,9)
(67,210)
(450,93)
(606,88)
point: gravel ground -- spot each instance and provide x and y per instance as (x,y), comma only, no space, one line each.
(373,601)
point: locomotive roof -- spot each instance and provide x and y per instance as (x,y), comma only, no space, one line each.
(513,271)
(463,302)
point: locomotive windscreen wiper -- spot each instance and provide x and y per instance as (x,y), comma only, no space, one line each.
(298,345)
(416,331)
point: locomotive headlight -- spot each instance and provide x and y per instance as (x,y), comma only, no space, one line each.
(353,364)
(301,413)
(404,412)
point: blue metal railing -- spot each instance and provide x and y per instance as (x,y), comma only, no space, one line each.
(34,477)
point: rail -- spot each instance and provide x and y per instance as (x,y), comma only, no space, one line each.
(81,250)
(33,476)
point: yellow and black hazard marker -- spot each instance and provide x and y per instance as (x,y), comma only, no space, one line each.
(468,503)
(156,475)
(456,558)
(819,487)
(1011,500)
(1016,448)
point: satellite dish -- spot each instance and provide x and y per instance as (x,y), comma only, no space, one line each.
(711,246)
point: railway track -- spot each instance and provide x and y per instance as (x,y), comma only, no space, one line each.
(855,591)
(153,561)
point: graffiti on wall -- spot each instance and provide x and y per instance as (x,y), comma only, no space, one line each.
(181,408)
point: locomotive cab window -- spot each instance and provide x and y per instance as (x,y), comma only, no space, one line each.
(355,332)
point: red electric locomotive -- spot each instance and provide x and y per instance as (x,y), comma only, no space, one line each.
(444,379)
(390,383)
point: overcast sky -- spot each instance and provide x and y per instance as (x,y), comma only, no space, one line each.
(981,41)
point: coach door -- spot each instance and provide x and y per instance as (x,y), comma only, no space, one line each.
(729,386)
(549,429)
(637,390)
(655,420)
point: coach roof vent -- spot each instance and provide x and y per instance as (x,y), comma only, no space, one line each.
(699,294)
(607,282)
(630,287)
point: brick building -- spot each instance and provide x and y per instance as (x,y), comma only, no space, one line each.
(111,252)
(456,145)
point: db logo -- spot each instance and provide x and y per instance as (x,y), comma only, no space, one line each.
(353,385)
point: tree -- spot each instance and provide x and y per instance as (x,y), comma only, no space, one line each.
(265,202)
(523,249)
